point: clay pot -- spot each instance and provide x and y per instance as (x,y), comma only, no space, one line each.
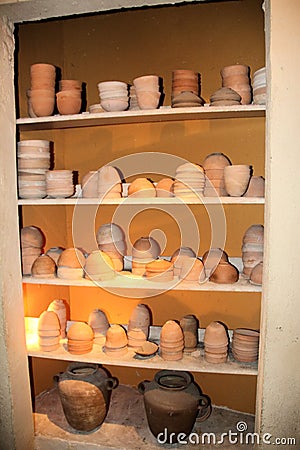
(142,188)
(116,341)
(160,270)
(256,187)
(146,82)
(99,266)
(68,102)
(171,341)
(140,318)
(28,259)
(257,274)
(179,257)
(215,335)
(80,338)
(212,258)
(32,237)
(216,161)
(189,325)
(136,337)
(42,102)
(245,344)
(192,269)
(148,99)
(108,233)
(237,179)
(99,323)
(59,307)
(72,258)
(43,267)
(66,85)
(146,248)
(54,253)
(225,273)
(164,187)
(254,234)
(90,185)
(48,331)
(85,392)
(173,402)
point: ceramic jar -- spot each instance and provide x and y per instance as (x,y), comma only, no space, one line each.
(173,402)
(85,391)
(189,325)
(237,179)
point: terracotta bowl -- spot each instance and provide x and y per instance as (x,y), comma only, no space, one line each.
(32,236)
(80,331)
(216,161)
(69,85)
(48,320)
(43,267)
(146,82)
(99,266)
(114,104)
(42,106)
(225,273)
(257,274)
(171,331)
(254,234)
(192,269)
(148,99)
(256,187)
(112,85)
(140,317)
(109,232)
(98,320)
(142,187)
(68,103)
(146,248)
(164,187)
(215,334)
(72,258)
(116,337)
(235,69)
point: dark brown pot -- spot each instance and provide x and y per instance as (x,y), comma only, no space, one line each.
(85,390)
(173,402)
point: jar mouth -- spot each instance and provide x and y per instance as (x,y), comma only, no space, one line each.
(82,369)
(174,381)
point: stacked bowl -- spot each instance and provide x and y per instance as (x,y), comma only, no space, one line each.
(142,188)
(80,338)
(59,183)
(33,163)
(252,248)
(32,243)
(192,269)
(99,266)
(43,267)
(215,343)
(140,319)
(224,273)
(179,257)
(237,78)
(189,181)
(42,91)
(136,338)
(214,165)
(70,264)
(116,342)
(90,185)
(147,91)
(113,95)
(237,179)
(68,98)
(225,97)
(260,87)
(171,341)
(164,187)
(59,307)
(99,323)
(185,80)
(144,251)
(111,240)
(133,102)
(245,344)
(48,331)
(160,270)
(189,325)
(186,99)
(109,183)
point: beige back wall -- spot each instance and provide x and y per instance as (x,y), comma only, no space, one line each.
(123,45)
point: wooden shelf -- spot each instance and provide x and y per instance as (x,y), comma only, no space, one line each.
(143,201)
(123,283)
(190,363)
(154,115)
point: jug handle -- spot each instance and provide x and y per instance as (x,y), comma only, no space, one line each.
(56,378)
(111,383)
(142,386)
(204,408)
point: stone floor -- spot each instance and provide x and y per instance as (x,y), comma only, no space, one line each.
(125,426)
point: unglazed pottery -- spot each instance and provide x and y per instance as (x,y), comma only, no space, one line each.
(80,338)
(48,331)
(257,274)
(256,187)
(171,341)
(140,318)
(72,258)
(109,232)
(192,269)
(225,273)
(90,185)
(160,270)
(99,266)
(85,391)
(142,188)
(164,187)
(173,402)
(215,343)
(54,253)
(212,258)
(43,267)
(59,307)
(189,325)
(32,236)
(237,179)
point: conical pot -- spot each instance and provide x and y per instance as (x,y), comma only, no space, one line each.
(85,391)
(173,402)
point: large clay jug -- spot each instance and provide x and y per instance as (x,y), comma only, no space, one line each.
(173,402)
(85,390)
